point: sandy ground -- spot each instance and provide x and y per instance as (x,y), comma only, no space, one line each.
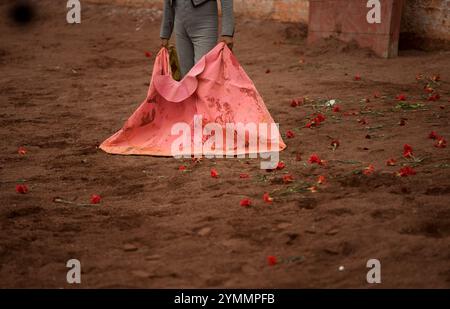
(65,88)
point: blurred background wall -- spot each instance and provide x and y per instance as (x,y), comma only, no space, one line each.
(425,23)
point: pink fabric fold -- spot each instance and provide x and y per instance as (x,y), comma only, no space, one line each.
(216,88)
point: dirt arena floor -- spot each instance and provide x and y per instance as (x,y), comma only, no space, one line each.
(65,88)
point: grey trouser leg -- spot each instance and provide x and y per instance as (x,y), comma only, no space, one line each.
(196,31)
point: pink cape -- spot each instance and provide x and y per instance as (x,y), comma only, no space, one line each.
(217,88)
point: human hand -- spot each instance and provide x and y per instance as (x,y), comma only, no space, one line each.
(164,43)
(228,40)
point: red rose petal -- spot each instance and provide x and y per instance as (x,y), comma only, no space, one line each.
(267,198)
(22,151)
(246,202)
(313,189)
(288,179)
(406,171)
(441,143)
(407,151)
(391,162)
(401,97)
(281,165)
(95,199)
(22,189)
(320,117)
(315,159)
(369,170)
(272,260)
(321,180)
(214,173)
(290,134)
(434,97)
